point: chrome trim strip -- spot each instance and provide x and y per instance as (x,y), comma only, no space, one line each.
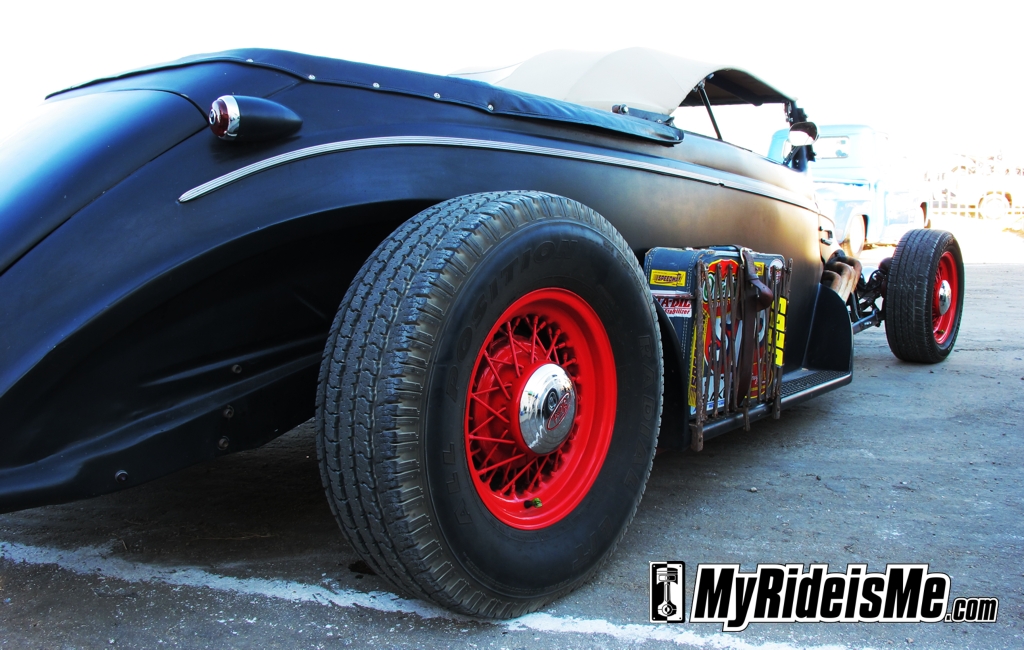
(437,141)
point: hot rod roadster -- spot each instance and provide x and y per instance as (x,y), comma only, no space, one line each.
(541,280)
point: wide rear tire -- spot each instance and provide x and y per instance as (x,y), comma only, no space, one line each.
(424,377)
(925,296)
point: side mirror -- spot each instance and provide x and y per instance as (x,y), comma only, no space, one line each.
(802,134)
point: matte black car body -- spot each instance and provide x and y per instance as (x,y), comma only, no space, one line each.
(146,325)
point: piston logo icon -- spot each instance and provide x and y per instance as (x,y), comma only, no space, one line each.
(667,593)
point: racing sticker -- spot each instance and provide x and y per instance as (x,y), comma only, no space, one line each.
(780,332)
(674,304)
(668,278)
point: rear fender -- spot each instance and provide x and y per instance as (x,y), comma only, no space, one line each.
(75,150)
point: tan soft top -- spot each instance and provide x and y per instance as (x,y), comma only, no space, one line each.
(638,77)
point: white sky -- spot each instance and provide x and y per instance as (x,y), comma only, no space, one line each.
(939,76)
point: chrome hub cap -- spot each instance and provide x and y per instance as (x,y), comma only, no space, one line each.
(945,297)
(547,408)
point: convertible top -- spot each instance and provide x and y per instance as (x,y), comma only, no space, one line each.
(638,77)
(561,85)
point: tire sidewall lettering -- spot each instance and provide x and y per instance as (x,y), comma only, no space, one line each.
(531,257)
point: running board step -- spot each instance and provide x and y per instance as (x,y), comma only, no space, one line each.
(797,387)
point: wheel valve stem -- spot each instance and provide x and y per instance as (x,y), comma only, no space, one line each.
(532,503)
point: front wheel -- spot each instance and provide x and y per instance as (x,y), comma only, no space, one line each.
(489,401)
(925,296)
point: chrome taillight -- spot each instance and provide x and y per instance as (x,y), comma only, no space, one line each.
(237,117)
(225,118)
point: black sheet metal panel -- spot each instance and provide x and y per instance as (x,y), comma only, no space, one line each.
(119,330)
(75,150)
(830,346)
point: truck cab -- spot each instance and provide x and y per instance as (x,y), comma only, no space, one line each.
(862,184)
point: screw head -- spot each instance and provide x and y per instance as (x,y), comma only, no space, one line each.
(121,476)
(237,369)
(376,85)
(223,443)
(228,412)
(437,95)
(490,107)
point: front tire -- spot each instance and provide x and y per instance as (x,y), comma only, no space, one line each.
(424,451)
(925,296)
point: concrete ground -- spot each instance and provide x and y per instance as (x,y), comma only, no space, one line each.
(910,463)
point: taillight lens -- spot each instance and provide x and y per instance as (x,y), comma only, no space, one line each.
(224,118)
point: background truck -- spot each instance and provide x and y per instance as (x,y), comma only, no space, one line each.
(862,184)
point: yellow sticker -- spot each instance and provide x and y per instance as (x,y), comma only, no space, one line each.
(668,278)
(759,268)
(780,331)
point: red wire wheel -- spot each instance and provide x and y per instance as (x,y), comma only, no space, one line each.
(924,296)
(524,489)
(943,323)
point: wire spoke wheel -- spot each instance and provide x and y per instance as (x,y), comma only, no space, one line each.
(521,487)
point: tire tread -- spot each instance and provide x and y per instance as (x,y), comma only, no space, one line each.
(376,347)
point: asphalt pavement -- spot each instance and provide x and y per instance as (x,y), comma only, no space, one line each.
(908,464)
